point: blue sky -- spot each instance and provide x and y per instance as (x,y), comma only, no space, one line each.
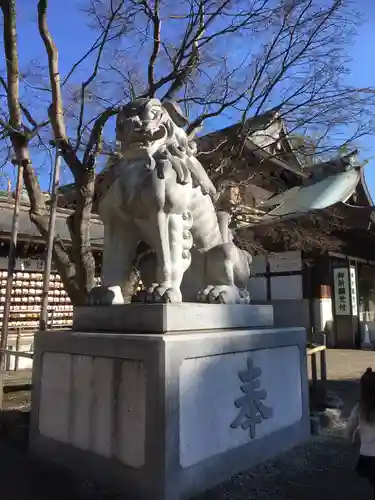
(363,75)
(72,36)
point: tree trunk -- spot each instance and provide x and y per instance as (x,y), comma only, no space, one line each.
(79,225)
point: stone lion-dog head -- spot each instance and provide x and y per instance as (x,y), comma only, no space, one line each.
(147,127)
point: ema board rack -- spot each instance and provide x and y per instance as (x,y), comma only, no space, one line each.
(26,300)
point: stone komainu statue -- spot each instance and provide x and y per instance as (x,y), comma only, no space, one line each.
(159,193)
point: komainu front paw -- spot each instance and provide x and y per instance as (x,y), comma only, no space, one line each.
(105,296)
(224,294)
(163,293)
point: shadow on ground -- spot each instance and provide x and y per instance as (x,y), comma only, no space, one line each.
(322,468)
(345,391)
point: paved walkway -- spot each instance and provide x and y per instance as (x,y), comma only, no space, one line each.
(322,469)
(348,365)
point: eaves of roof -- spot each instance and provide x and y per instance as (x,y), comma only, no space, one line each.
(27,229)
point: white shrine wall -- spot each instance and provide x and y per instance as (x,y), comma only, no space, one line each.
(278,279)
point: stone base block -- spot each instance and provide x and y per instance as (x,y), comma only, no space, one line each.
(170,318)
(164,417)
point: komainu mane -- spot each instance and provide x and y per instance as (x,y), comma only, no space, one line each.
(159,193)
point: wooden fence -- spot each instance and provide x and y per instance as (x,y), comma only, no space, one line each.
(14,350)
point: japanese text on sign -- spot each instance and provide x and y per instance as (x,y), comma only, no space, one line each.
(28,264)
(342,291)
(353,291)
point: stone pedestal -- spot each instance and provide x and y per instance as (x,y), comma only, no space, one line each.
(166,415)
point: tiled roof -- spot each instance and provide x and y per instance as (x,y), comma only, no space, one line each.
(27,230)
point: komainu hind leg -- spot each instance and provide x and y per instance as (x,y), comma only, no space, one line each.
(220,277)
(227,269)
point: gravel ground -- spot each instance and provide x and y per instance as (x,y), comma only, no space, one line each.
(322,470)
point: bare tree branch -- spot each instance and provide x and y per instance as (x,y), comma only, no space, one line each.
(57,110)
(154,17)
(94,144)
(94,73)
(17,135)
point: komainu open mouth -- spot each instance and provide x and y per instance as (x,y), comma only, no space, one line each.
(144,137)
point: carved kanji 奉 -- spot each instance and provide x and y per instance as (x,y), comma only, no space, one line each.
(252,409)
